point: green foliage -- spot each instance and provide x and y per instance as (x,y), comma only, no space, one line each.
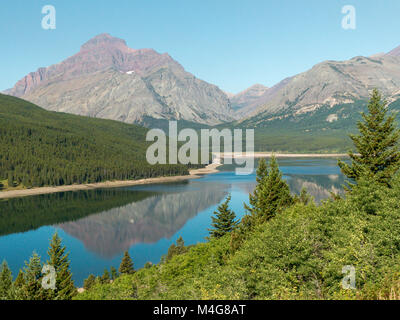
(224,220)
(272,193)
(6,280)
(42,148)
(298,254)
(114,273)
(378,157)
(89,282)
(32,286)
(58,259)
(105,277)
(175,250)
(126,266)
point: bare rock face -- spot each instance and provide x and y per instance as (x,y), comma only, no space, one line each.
(107,79)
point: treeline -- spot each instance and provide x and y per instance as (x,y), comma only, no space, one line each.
(41,148)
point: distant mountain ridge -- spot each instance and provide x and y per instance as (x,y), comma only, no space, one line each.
(243,102)
(107,79)
(326,85)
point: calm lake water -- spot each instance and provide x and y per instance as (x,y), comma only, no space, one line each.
(97,226)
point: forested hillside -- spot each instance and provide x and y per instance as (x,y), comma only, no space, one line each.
(42,148)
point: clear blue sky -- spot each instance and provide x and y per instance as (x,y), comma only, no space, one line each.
(230,43)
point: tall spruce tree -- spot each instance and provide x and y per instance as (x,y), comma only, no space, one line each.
(126,266)
(58,258)
(105,278)
(20,280)
(377,157)
(32,286)
(272,193)
(114,273)
(224,220)
(5,281)
(89,282)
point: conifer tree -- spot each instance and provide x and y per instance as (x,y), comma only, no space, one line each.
(126,266)
(106,276)
(32,289)
(114,273)
(272,193)
(20,280)
(303,197)
(5,281)
(224,220)
(89,282)
(176,249)
(58,259)
(377,155)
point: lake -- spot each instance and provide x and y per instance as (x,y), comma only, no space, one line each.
(97,226)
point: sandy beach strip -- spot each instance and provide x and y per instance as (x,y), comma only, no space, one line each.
(193,174)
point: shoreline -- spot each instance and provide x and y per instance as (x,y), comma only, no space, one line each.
(282,155)
(193,174)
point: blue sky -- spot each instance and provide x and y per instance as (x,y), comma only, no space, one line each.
(230,43)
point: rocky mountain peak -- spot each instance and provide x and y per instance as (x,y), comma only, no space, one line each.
(107,79)
(104,40)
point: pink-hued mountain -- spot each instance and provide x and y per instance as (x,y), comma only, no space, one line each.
(243,101)
(107,79)
(395,52)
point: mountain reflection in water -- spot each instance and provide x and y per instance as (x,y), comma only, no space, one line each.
(160,216)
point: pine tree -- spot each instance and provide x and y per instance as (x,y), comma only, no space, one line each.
(89,282)
(378,157)
(272,193)
(32,289)
(20,280)
(176,249)
(10,180)
(126,266)
(5,281)
(114,273)
(65,288)
(105,277)
(303,197)
(224,220)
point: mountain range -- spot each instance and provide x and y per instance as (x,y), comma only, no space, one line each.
(107,79)
(329,84)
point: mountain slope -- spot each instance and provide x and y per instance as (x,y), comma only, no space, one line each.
(243,102)
(39,147)
(331,92)
(107,79)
